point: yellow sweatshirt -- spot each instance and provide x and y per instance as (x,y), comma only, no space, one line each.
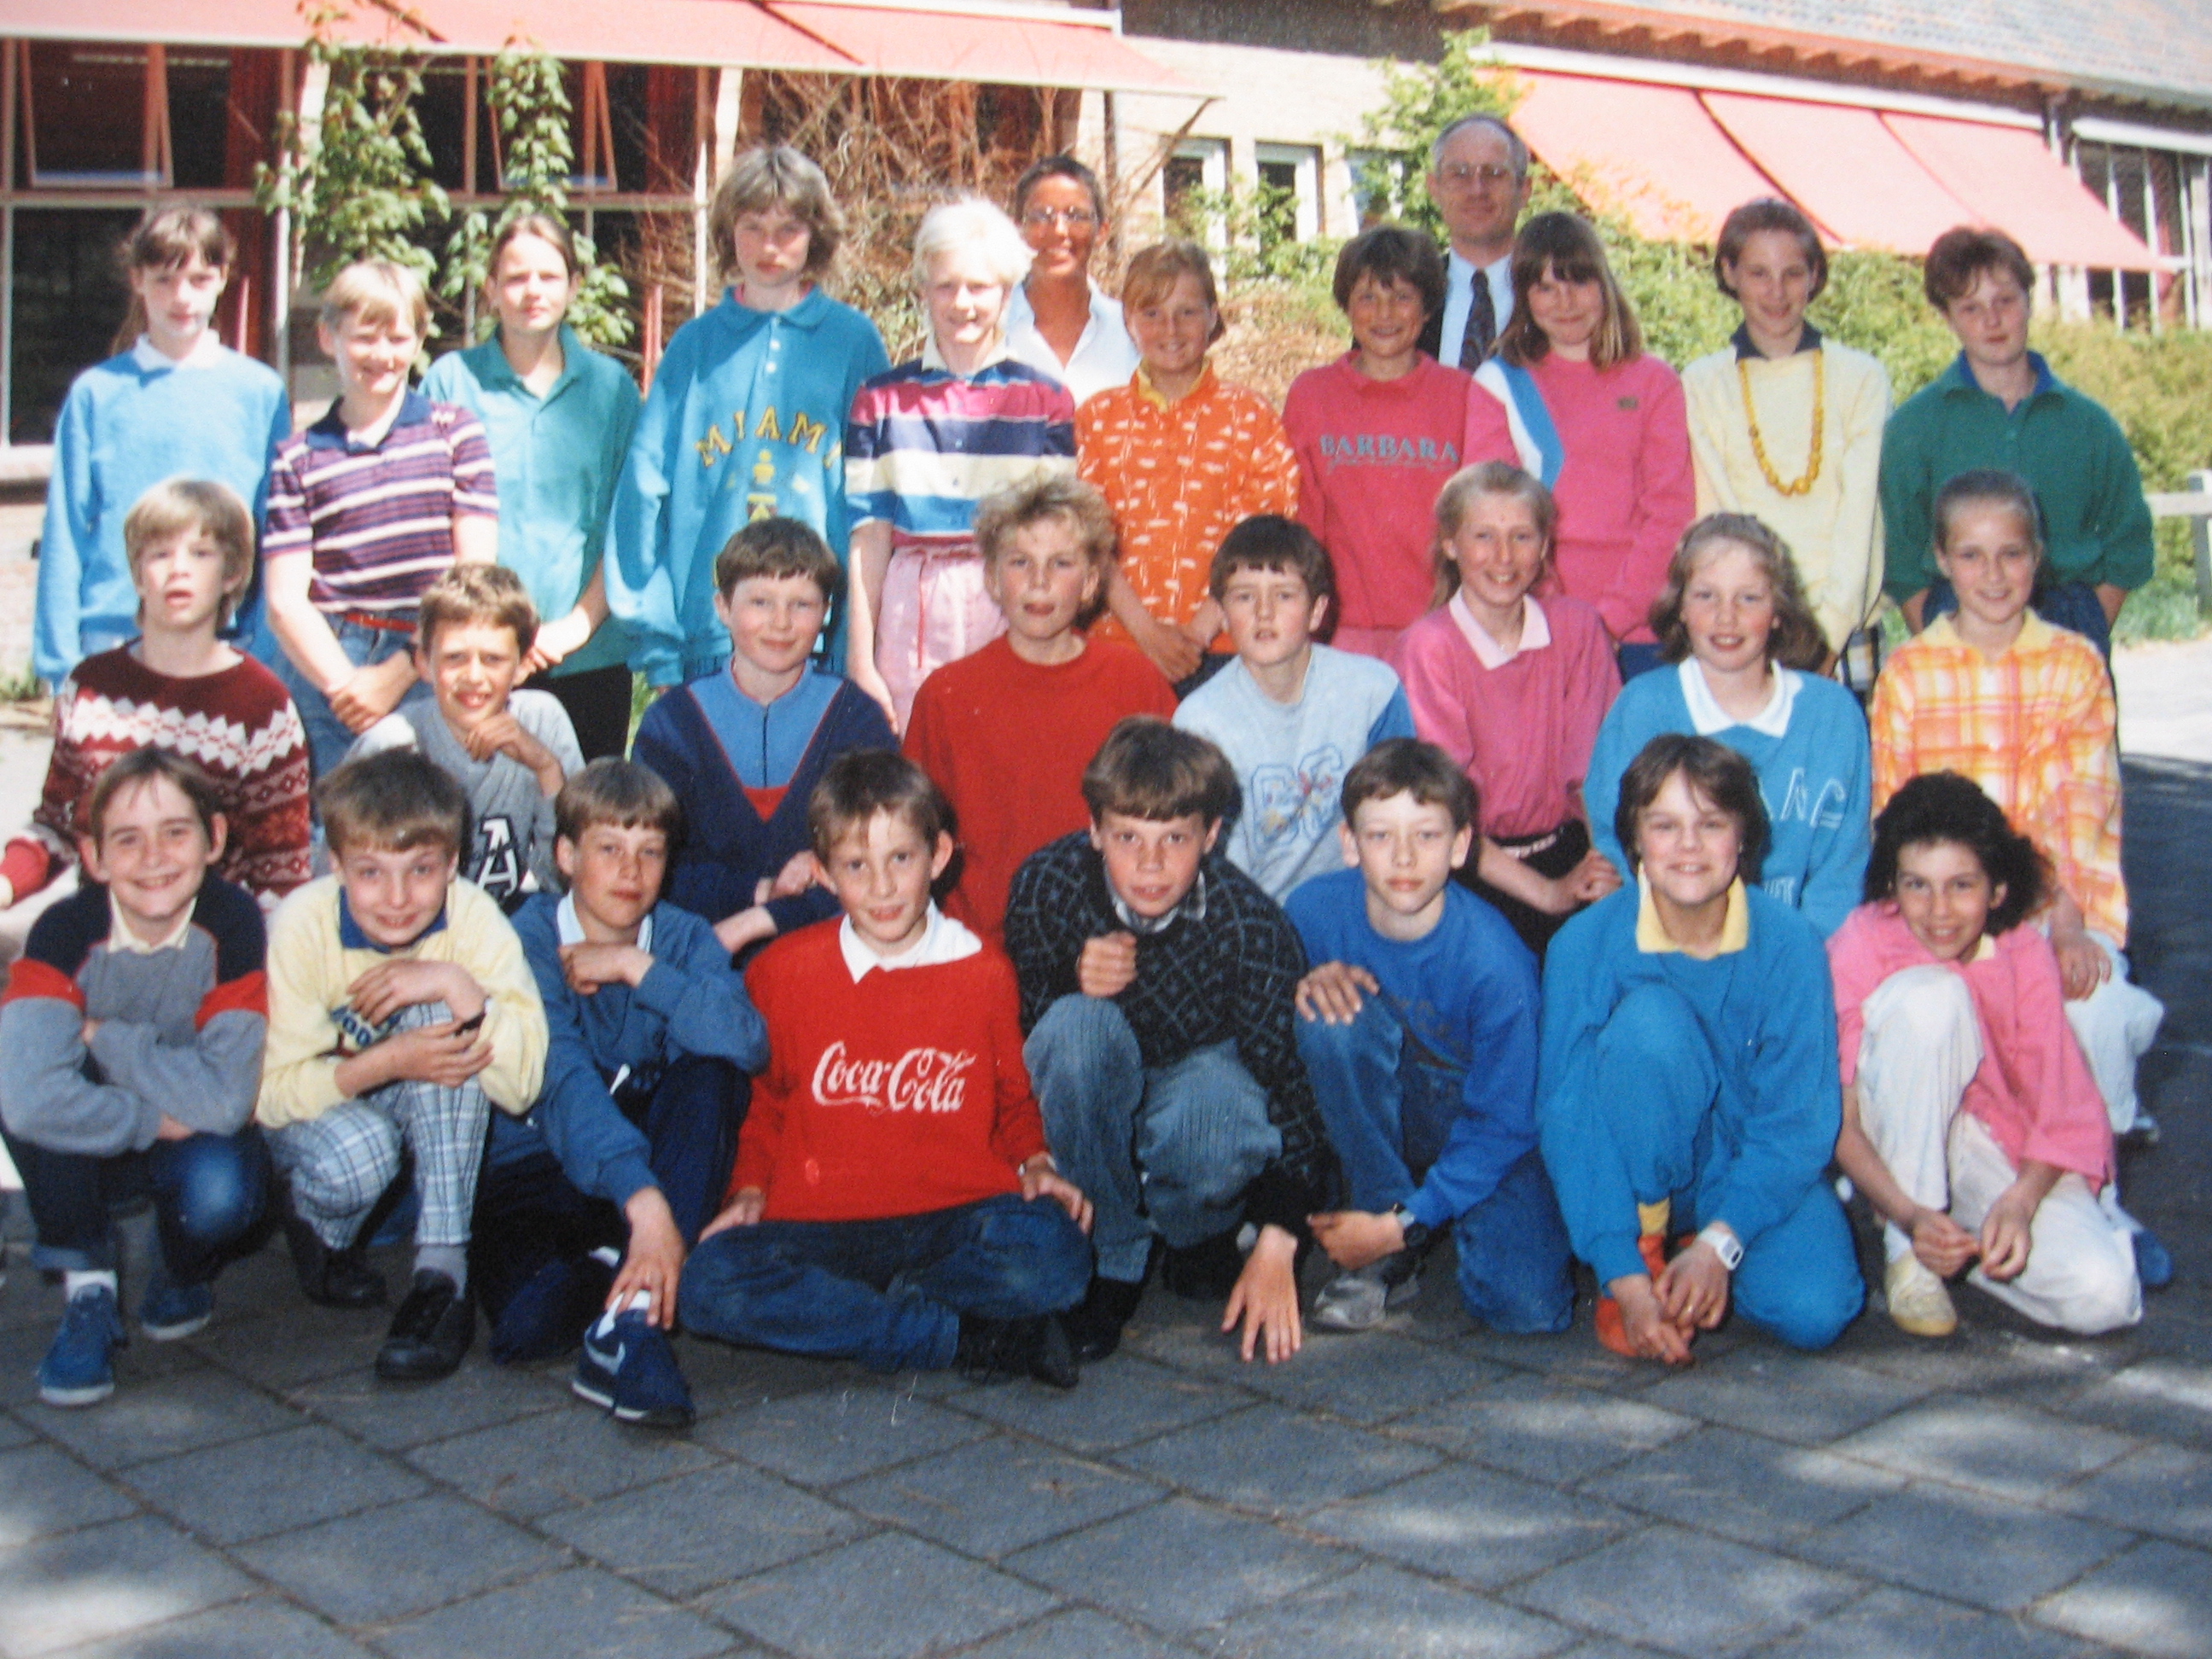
(311,967)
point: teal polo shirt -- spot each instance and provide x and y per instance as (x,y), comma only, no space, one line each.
(2096,525)
(556,458)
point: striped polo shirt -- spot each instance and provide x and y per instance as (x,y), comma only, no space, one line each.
(925,446)
(379,517)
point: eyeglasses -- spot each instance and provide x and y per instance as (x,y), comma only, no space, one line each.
(1459,175)
(1043,218)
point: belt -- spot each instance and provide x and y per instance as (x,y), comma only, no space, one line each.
(1527,846)
(383,623)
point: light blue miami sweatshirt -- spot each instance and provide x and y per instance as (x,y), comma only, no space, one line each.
(1815,773)
(1291,758)
(556,459)
(745,420)
(127,425)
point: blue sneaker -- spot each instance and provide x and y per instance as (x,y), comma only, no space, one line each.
(172,1310)
(2154,1262)
(79,1369)
(631,1371)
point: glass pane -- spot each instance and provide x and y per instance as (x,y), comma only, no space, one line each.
(69,300)
(88,114)
(443,109)
(199,117)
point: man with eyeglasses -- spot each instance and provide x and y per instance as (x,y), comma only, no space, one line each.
(1056,322)
(1479,180)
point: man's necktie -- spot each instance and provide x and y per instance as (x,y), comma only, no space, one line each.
(1482,325)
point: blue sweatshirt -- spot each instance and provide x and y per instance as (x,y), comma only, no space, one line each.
(691,1001)
(1768,1014)
(1816,777)
(1468,993)
(127,425)
(745,420)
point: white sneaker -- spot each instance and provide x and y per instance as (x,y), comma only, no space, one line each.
(1357,1301)
(1919,1305)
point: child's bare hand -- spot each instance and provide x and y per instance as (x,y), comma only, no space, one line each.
(556,641)
(2082,967)
(1650,1332)
(743,1211)
(367,696)
(169,1129)
(1038,1182)
(654,1262)
(1942,1245)
(737,932)
(1107,965)
(1332,992)
(1592,878)
(442,1053)
(2008,1235)
(1173,652)
(387,988)
(795,878)
(587,967)
(1353,1238)
(1265,1298)
(1694,1292)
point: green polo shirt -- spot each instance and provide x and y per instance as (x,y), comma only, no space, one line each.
(2096,525)
(556,458)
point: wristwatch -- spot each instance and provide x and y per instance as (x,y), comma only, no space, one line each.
(1417,1232)
(1726,1245)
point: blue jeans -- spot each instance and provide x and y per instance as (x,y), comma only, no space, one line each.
(207,1192)
(2072,605)
(1656,1083)
(889,1292)
(1390,1107)
(328,739)
(1166,1148)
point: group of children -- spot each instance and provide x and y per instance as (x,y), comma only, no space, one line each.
(1228,837)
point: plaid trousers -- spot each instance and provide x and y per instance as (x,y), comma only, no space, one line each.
(341,1162)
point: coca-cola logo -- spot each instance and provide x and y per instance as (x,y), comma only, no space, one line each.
(919,1080)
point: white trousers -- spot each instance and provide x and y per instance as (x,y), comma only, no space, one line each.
(2116,1025)
(1921,1047)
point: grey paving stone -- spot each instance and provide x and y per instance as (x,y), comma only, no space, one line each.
(885,1597)
(1754,1489)
(991,1496)
(1571,1356)
(1480,1527)
(1985,1443)
(1604,1647)
(1546,1431)
(2160,1489)
(254,1487)
(262,1629)
(723,1378)
(300,1344)
(1969,1547)
(580,1614)
(402,1560)
(1372,1376)
(2156,1599)
(61,1592)
(1381,1612)
(22,1347)
(1976,1358)
(682,1535)
(393,1416)
(820,1439)
(1895,1624)
(14,1432)
(1808,1399)
(1179,1565)
(1122,1400)
(1277,1460)
(2169,1399)
(1080,1634)
(1687,1594)
(43,1492)
(187,1411)
(556,1460)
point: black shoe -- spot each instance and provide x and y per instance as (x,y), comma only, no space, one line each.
(993,1349)
(1094,1328)
(429,1333)
(333,1278)
(1207,1271)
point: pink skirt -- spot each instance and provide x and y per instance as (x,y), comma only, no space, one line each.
(935,610)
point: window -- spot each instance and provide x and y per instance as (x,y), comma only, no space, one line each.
(95,116)
(1289,194)
(1194,184)
(1375,188)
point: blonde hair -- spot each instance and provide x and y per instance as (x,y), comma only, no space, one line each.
(179,507)
(476,593)
(971,223)
(1154,271)
(1077,504)
(1459,494)
(777,175)
(376,291)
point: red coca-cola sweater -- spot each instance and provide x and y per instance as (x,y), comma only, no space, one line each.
(896,1096)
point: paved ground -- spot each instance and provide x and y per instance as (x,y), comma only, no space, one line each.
(1428,1490)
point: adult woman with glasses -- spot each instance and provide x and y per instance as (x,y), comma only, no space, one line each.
(1056,321)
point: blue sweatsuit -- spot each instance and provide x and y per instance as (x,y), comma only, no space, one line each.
(1429,1095)
(745,420)
(1710,1082)
(1817,780)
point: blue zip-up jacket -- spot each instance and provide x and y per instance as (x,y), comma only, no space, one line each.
(691,1001)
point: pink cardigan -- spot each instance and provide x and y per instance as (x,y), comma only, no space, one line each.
(2033,1090)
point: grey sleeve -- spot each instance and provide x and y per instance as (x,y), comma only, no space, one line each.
(46,1099)
(210,1083)
(540,713)
(392,732)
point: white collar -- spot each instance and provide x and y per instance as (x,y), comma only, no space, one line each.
(1708,717)
(933,358)
(569,927)
(1535,631)
(121,939)
(151,358)
(1459,266)
(943,940)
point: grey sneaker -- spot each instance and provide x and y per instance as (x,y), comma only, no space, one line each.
(1357,1301)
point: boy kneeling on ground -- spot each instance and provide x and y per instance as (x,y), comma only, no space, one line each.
(894,1201)
(1418,1029)
(133,1027)
(1157,987)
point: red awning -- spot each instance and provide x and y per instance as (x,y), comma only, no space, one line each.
(997,51)
(1650,153)
(692,31)
(1844,168)
(2008,177)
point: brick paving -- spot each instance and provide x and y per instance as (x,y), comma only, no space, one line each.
(1430,1489)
